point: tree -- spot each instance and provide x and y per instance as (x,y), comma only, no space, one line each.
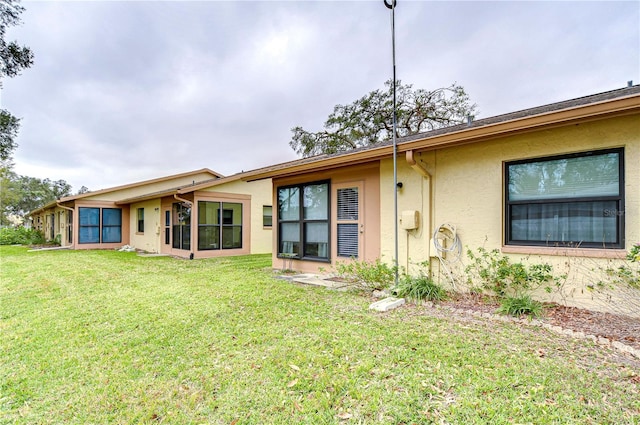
(13,59)
(82,190)
(369,120)
(9,126)
(22,194)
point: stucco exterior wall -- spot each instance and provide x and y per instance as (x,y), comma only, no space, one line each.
(469,186)
(124,229)
(468,190)
(149,240)
(366,176)
(414,195)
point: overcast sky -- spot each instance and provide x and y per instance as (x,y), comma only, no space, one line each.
(128,91)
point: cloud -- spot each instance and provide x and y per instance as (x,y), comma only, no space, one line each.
(124,91)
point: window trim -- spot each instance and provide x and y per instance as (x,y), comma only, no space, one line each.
(619,199)
(301,255)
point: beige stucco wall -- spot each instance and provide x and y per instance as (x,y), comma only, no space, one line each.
(467,191)
(148,241)
(414,195)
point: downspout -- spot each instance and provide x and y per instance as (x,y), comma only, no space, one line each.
(175,195)
(72,246)
(419,168)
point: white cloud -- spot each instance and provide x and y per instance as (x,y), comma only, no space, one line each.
(123,91)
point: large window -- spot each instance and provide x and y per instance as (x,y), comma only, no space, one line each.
(100,225)
(219,225)
(303,221)
(111,225)
(181,226)
(573,200)
(89,220)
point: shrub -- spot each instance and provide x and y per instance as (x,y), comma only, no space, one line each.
(634,254)
(518,306)
(496,274)
(420,288)
(366,275)
(20,235)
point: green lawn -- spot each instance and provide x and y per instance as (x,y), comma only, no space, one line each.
(109,337)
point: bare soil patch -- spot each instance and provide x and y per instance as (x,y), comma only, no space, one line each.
(614,327)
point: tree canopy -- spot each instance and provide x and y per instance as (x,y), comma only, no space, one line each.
(369,120)
(21,194)
(13,59)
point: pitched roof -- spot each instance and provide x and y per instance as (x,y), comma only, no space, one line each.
(612,103)
(142,183)
(133,185)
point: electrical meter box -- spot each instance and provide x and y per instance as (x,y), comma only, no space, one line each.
(410,220)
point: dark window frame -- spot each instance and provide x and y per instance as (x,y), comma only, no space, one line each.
(301,254)
(225,223)
(92,226)
(100,227)
(140,218)
(267,219)
(618,211)
(104,226)
(181,231)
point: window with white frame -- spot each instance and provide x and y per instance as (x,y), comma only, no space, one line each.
(572,200)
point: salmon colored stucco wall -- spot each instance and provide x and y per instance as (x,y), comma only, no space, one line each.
(149,240)
(124,230)
(368,176)
(467,191)
(256,239)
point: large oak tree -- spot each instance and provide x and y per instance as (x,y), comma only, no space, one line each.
(369,120)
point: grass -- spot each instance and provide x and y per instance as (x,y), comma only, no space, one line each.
(109,337)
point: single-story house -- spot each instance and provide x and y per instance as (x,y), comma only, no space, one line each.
(554,182)
(557,184)
(221,215)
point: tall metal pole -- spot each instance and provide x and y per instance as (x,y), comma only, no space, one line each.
(392,6)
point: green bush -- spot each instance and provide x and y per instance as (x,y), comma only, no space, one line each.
(366,275)
(634,254)
(20,236)
(518,306)
(420,288)
(495,273)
